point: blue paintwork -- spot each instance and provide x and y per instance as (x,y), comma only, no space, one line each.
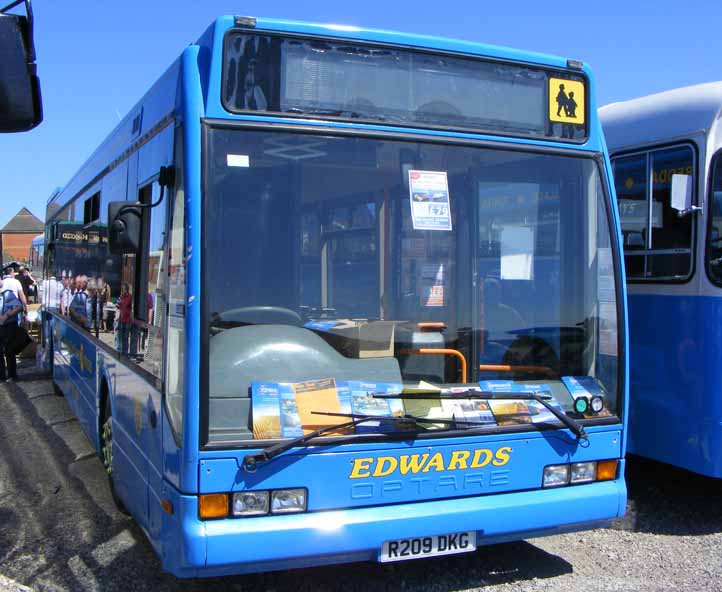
(624,320)
(192,113)
(283,542)
(74,367)
(349,518)
(529,454)
(675,377)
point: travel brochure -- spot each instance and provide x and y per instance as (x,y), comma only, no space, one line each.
(519,411)
(286,410)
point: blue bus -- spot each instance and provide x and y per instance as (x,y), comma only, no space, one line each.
(36,254)
(668,175)
(340,295)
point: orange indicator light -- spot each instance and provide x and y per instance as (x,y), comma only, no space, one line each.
(213,505)
(607,470)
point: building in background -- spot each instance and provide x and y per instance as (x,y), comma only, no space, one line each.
(17,236)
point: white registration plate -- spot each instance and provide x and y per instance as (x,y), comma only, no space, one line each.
(430,546)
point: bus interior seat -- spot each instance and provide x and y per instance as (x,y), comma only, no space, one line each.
(421,367)
(275,353)
(529,350)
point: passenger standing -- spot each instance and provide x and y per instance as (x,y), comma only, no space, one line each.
(125,322)
(10,282)
(148,321)
(51,293)
(27,282)
(93,304)
(79,305)
(10,307)
(103,299)
(68,292)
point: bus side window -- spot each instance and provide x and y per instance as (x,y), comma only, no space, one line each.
(714,229)
(149,298)
(669,231)
(630,180)
(176,290)
(657,242)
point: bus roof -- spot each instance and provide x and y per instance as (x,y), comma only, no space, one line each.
(411,40)
(677,113)
(158,102)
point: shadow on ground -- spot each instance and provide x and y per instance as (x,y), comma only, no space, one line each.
(498,564)
(667,500)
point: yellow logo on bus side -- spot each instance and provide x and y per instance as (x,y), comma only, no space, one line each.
(138,416)
(566,101)
(383,466)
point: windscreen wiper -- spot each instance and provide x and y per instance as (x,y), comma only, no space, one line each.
(250,461)
(576,428)
(405,419)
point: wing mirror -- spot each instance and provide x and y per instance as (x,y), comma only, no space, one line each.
(20,103)
(124,226)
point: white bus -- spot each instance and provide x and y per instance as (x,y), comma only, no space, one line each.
(666,152)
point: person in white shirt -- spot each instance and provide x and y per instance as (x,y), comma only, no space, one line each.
(67,294)
(51,293)
(10,283)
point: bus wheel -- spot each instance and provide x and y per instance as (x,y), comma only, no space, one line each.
(106,448)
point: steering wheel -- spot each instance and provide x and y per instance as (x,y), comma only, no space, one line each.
(529,350)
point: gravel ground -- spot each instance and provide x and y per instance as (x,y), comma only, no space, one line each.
(59,530)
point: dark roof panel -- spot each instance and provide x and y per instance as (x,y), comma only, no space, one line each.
(24,221)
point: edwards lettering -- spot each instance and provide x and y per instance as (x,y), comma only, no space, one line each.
(412,464)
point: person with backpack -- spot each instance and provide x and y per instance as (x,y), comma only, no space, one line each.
(10,308)
(10,282)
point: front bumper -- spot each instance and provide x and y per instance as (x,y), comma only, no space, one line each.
(235,546)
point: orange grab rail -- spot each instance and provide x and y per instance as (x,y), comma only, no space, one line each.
(508,368)
(441,352)
(431,325)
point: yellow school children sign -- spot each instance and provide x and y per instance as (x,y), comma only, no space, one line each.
(566,101)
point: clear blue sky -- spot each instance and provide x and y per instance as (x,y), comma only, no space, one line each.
(97,57)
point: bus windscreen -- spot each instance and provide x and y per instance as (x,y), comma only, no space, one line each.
(386,261)
(338,79)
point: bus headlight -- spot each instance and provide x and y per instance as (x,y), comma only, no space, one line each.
(555,475)
(583,472)
(250,503)
(286,501)
(579,473)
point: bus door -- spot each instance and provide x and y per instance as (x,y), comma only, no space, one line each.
(140,341)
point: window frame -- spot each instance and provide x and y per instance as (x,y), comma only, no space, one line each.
(177,192)
(141,273)
(647,152)
(714,160)
(209,124)
(91,205)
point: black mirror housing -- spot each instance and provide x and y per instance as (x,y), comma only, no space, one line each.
(124,226)
(20,103)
